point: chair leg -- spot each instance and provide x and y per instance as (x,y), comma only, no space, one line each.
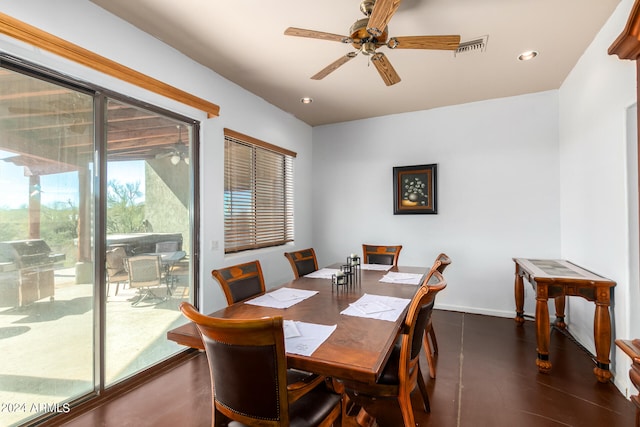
(427,350)
(404,400)
(434,341)
(423,391)
(219,419)
(145,294)
(109,287)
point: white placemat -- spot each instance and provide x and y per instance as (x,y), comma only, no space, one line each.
(377,307)
(282,298)
(304,338)
(406,278)
(376,267)
(323,273)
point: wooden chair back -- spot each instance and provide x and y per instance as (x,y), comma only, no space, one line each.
(444,260)
(430,342)
(380,254)
(302,262)
(402,373)
(240,282)
(247,361)
(418,316)
(248,369)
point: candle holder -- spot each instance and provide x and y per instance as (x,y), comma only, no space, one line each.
(355,267)
(348,272)
(339,279)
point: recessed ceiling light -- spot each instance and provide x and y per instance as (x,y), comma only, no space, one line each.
(306,100)
(530,54)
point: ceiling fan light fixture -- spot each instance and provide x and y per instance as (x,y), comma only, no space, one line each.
(368,48)
(527,55)
(175,159)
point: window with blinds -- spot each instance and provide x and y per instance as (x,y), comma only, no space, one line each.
(258,193)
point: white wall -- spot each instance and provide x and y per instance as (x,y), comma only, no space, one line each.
(631,303)
(595,222)
(83,23)
(498,194)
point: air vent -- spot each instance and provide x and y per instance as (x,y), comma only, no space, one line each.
(470,46)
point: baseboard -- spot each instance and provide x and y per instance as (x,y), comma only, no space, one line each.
(476,310)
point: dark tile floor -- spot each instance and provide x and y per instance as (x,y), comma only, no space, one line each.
(486,376)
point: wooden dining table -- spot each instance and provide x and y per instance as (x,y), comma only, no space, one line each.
(358,348)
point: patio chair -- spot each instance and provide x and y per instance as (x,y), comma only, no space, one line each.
(116,271)
(146,274)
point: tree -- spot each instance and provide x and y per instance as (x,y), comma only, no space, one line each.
(125,207)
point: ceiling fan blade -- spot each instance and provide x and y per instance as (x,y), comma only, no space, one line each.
(165,154)
(334,66)
(386,70)
(425,42)
(312,34)
(381,14)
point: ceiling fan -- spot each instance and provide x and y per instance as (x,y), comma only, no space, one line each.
(177,151)
(370,33)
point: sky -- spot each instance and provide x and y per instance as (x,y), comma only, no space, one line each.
(63,187)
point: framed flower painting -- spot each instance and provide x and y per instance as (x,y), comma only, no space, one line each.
(415,189)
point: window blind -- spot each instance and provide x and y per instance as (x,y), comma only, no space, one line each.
(258,194)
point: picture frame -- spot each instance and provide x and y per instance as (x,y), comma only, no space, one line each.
(415,189)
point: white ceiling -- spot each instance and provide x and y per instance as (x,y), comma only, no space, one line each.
(244,41)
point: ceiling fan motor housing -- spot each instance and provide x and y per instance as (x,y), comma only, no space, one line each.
(360,36)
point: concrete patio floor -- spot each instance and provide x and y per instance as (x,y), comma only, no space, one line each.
(48,352)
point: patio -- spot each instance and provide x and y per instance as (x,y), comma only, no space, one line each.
(47,347)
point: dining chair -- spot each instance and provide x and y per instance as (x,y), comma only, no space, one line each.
(379,254)
(430,342)
(249,375)
(302,262)
(240,282)
(145,274)
(402,374)
(116,271)
(168,246)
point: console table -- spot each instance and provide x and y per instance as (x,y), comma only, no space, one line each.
(632,349)
(558,279)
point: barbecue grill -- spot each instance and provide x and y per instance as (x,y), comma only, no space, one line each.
(26,272)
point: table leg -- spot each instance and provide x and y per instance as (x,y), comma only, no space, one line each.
(602,337)
(560,302)
(352,413)
(634,375)
(519,294)
(364,419)
(542,332)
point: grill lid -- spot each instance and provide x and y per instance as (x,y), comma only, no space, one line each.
(27,252)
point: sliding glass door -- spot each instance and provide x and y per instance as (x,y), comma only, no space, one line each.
(46,251)
(79,168)
(148,240)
